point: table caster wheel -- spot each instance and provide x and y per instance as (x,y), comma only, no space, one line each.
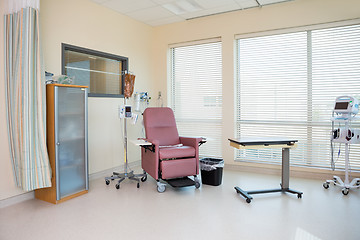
(107,182)
(143,179)
(345,191)
(197,184)
(117,186)
(299,195)
(326,185)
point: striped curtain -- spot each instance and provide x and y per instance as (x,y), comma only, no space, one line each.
(25,99)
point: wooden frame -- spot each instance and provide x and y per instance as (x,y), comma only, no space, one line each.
(49,194)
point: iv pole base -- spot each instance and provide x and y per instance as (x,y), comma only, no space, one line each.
(122,176)
(355,183)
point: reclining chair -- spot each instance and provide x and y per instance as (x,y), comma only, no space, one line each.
(170,158)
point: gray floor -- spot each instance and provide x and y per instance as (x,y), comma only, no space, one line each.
(207,213)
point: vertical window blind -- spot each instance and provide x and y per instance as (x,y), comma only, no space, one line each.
(287,85)
(196,93)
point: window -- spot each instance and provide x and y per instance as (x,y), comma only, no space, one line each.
(196,93)
(287,85)
(101,72)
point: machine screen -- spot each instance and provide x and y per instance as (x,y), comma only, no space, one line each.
(341,105)
(128,111)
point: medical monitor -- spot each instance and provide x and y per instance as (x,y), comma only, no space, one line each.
(341,105)
(346,105)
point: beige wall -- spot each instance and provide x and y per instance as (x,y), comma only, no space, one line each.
(290,14)
(85,24)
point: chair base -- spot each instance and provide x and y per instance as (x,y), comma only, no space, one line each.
(181,182)
(177,183)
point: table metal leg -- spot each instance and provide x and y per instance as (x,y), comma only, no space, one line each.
(285,175)
(285,168)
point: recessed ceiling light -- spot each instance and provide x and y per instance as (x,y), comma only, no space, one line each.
(181,7)
(189,5)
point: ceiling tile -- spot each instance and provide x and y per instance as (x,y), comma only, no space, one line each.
(247,3)
(125,6)
(206,12)
(265,2)
(160,2)
(150,14)
(159,12)
(208,4)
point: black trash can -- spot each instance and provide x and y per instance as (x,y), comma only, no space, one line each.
(211,171)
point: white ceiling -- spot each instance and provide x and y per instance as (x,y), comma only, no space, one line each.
(160,12)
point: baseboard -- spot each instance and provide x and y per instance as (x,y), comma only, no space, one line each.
(17,199)
(108,172)
(299,172)
(31,195)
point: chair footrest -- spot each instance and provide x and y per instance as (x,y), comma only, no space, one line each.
(180,182)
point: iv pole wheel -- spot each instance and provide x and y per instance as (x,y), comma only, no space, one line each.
(345,191)
(107,182)
(143,179)
(117,186)
(325,185)
(248,200)
(138,185)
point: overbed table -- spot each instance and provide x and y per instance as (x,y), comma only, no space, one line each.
(256,143)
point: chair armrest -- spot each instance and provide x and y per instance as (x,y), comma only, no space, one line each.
(154,147)
(190,141)
(150,158)
(153,141)
(193,142)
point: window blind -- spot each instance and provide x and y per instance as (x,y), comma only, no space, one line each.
(287,85)
(196,93)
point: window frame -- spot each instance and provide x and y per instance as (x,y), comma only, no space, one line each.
(307,29)
(124,65)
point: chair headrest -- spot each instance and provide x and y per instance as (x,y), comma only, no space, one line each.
(159,123)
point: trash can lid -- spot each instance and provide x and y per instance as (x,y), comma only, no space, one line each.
(211,161)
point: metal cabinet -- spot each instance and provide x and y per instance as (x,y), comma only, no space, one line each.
(67,142)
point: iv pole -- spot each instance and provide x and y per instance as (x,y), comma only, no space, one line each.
(126,174)
(346,118)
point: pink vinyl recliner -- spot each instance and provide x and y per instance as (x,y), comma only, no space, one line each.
(170,158)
